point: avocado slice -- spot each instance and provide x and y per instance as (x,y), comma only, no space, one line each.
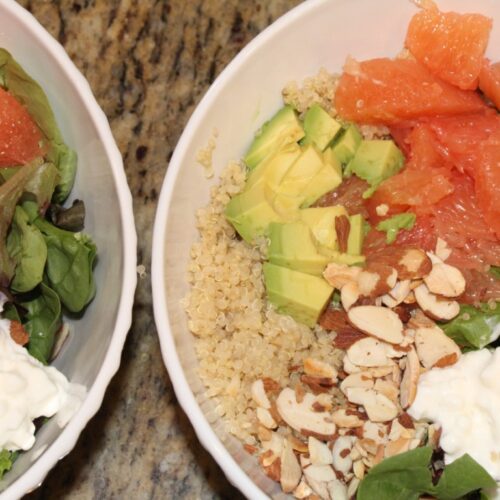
(301,295)
(292,245)
(284,125)
(375,161)
(347,144)
(319,127)
(342,258)
(356,235)
(273,168)
(321,222)
(250,213)
(291,192)
(327,179)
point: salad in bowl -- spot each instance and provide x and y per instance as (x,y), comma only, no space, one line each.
(344,285)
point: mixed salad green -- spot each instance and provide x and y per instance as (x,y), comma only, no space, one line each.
(46,263)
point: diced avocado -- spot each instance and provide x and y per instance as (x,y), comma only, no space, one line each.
(321,222)
(347,144)
(330,159)
(283,126)
(342,258)
(273,168)
(375,161)
(292,245)
(250,213)
(324,181)
(356,235)
(319,127)
(291,191)
(301,295)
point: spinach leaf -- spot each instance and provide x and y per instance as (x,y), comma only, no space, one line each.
(408,476)
(27,248)
(403,477)
(7,458)
(70,261)
(29,93)
(461,477)
(474,328)
(42,185)
(10,193)
(43,321)
(393,224)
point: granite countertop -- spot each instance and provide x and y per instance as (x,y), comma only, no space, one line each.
(148,62)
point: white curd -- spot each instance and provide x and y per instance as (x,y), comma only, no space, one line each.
(29,390)
(464,399)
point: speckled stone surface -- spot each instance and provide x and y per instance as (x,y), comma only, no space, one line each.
(149,63)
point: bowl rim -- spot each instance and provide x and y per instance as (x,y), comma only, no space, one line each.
(65,442)
(202,428)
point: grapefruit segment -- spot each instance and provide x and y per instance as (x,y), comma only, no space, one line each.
(489,81)
(20,138)
(449,44)
(387,91)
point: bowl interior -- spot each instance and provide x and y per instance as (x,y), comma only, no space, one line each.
(84,352)
(317,34)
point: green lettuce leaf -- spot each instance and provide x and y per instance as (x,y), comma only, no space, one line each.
(408,476)
(29,93)
(474,328)
(7,458)
(393,224)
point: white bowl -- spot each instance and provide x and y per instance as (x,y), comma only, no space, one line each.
(91,355)
(315,34)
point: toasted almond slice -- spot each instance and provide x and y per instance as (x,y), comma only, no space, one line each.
(376,279)
(263,433)
(434,306)
(305,461)
(301,416)
(317,368)
(410,379)
(358,468)
(413,263)
(445,280)
(349,295)
(341,451)
(379,322)
(398,431)
(267,458)
(346,420)
(319,453)
(319,487)
(356,380)
(433,345)
(396,447)
(339,275)
(434,435)
(259,394)
(442,251)
(297,444)
(375,431)
(378,407)
(369,445)
(265,418)
(274,444)
(353,487)
(387,388)
(291,471)
(322,473)
(302,491)
(325,400)
(337,490)
(369,352)
(350,367)
(397,294)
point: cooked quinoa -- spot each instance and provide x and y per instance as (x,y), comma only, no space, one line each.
(239,336)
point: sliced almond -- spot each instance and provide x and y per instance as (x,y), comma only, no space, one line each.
(433,345)
(353,487)
(356,380)
(398,431)
(305,461)
(317,368)
(259,394)
(445,280)
(341,451)
(397,294)
(325,400)
(320,473)
(319,487)
(337,490)
(302,490)
(410,379)
(375,431)
(301,416)
(442,251)
(434,306)
(378,407)
(369,352)
(274,444)
(349,295)
(297,444)
(358,468)
(339,275)
(376,279)
(319,453)
(369,445)
(267,458)
(343,418)
(413,263)
(379,322)
(265,418)
(396,447)
(291,471)
(387,388)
